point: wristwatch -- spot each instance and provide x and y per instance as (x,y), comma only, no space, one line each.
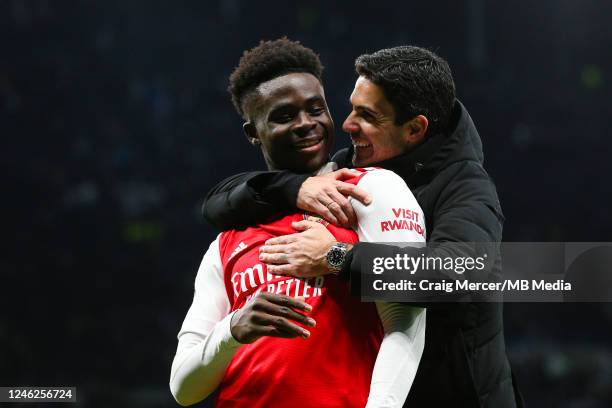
(336,257)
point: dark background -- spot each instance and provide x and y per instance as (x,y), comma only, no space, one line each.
(115,121)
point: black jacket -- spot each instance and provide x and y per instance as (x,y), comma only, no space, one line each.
(464,363)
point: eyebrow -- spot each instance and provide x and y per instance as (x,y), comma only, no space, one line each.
(282,105)
(367,109)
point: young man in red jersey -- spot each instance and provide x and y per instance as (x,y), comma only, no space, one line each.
(265,340)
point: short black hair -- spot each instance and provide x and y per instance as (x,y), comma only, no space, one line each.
(415,80)
(269,60)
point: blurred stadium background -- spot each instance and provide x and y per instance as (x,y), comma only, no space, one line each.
(115,121)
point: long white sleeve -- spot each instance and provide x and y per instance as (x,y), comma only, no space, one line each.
(402,347)
(205,344)
(399,355)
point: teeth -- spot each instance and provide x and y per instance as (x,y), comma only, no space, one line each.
(361,144)
(308,144)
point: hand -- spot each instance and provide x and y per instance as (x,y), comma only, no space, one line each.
(268,314)
(326,196)
(303,254)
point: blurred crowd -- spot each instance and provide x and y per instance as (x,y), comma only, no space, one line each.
(116,121)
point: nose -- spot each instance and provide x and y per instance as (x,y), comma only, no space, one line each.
(304,124)
(349,125)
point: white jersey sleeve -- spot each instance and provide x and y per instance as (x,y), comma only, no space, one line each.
(394,216)
(205,343)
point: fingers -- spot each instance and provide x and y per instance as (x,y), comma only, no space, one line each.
(274,259)
(326,207)
(285,312)
(275,249)
(292,332)
(274,254)
(324,212)
(287,301)
(355,192)
(305,225)
(344,208)
(264,324)
(324,196)
(282,240)
(336,209)
(285,270)
(269,314)
(276,312)
(345,174)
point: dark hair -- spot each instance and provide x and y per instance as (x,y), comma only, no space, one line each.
(269,60)
(415,81)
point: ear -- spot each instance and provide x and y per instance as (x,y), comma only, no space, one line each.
(415,129)
(250,131)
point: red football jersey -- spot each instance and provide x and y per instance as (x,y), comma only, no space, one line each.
(333,367)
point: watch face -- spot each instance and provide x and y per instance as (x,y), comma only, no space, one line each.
(335,257)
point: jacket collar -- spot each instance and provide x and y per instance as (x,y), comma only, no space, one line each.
(413,166)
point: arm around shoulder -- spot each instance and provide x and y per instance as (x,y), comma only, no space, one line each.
(251,198)
(467,212)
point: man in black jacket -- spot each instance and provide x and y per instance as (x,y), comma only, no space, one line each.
(405,118)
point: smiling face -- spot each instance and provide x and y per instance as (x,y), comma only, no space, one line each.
(289,118)
(371,125)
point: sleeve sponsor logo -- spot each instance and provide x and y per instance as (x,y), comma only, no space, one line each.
(403,219)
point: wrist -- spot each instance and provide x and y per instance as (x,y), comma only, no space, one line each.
(233,337)
(293,187)
(345,272)
(232,326)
